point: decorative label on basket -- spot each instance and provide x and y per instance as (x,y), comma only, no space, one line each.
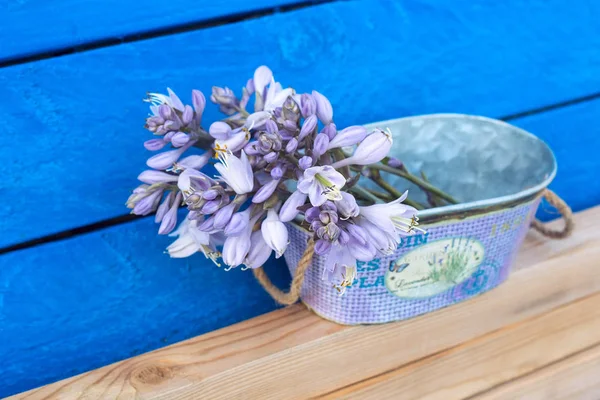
(434,267)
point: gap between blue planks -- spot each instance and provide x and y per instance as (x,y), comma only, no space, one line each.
(74,305)
(82,114)
(37,29)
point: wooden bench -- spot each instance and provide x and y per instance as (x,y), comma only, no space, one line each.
(534,337)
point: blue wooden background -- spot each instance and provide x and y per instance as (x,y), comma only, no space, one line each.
(81,286)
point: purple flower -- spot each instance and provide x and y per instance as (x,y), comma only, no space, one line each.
(147,204)
(321,184)
(384,242)
(268,142)
(372,149)
(330,130)
(324,109)
(277,172)
(259,251)
(291,146)
(348,137)
(275,233)
(289,209)
(166,159)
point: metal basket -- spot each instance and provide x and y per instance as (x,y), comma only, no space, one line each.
(497,171)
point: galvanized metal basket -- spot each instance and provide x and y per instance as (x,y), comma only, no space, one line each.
(498,172)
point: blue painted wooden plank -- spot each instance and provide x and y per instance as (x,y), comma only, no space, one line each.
(77,119)
(574,135)
(70,306)
(36,26)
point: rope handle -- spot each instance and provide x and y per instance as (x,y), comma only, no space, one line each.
(564,210)
(291,296)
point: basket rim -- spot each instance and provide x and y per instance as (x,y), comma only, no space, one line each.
(474,205)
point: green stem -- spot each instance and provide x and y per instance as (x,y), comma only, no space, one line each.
(393,191)
(383,196)
(419,182)
(365,193)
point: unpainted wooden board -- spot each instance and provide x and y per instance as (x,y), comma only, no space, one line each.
(575,377)
(240,362)
(72,126)
(488,361)
(31,27)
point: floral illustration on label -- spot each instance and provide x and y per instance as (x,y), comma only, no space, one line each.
(434,268)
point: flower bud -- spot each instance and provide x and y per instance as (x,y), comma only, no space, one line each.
(330,130)
(219,130)
(308,106)
(257,120)
(195,161)
(324,109)
(347,206)
(154,144)
(199,102)
(348,137)
(164,160)
(164,207)
(259,251)
(266,191)
(308,127)
(372,149)
(277,172)
(238,223)
(223,216)
(275,233)
(188,115)
(262,77)
(150,177)
(271,127)
(180,139)
(320,145)
(211,206)
(170,218)
(322,247)
(305,162)
(395,163)
(272,156)
(147,204)
(289,209)
(291,146)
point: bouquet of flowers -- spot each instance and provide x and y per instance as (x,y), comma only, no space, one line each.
(283,162)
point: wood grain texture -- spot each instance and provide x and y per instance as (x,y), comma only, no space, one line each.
(574,377)
(375,60)
(33,26)
(315,357)
(492,360)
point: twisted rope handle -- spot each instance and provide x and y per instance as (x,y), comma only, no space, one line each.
(292,296)
(564,210)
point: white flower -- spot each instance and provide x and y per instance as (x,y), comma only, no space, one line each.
(236,172)
(321,184)
(192,240)
(275,233)
(156,99)
(372,149)
(393,217)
